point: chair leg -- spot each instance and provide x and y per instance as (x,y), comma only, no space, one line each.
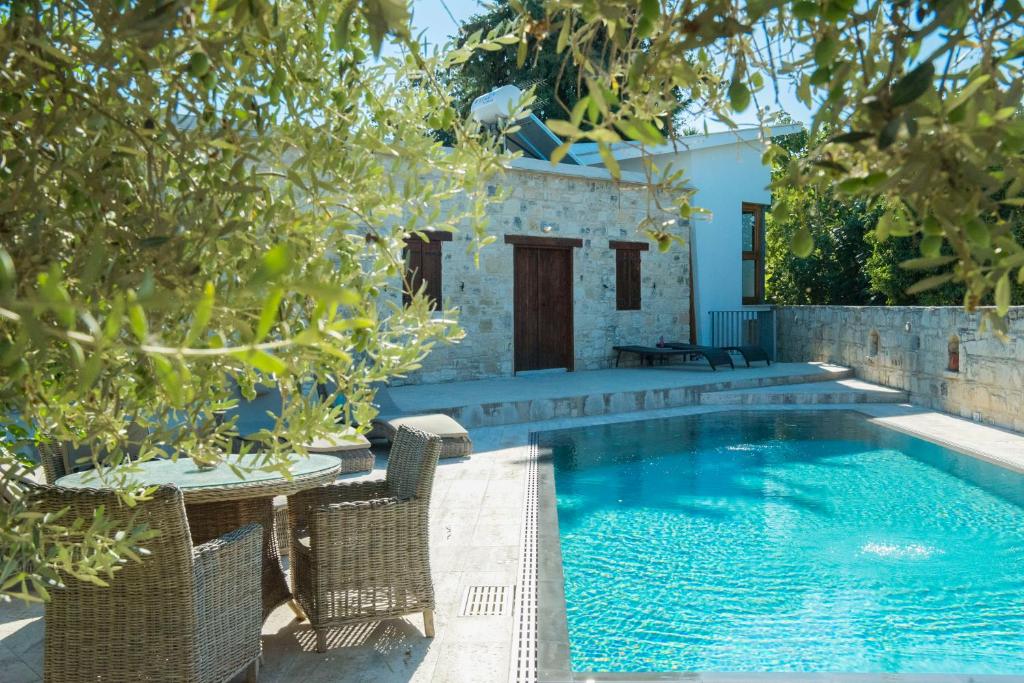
(252,672)
(428,623)
(300,614)
(321,640)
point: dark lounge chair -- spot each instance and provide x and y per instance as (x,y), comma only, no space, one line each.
(648,354)
(750,353)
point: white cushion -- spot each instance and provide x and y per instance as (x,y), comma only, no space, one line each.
(438,423)
(338,444)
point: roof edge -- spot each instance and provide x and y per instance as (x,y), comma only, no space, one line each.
(631,150)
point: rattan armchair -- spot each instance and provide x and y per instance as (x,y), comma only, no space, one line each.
(183,614)
(360,550)
(54,459)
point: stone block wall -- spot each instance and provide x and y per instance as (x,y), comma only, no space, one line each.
(912,353)
(583,203)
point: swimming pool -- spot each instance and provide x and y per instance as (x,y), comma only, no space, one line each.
(785,541)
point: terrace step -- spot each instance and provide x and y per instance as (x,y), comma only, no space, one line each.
(512,400)
(841,391)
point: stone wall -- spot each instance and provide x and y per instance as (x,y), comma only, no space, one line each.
(912,353)
(582,203)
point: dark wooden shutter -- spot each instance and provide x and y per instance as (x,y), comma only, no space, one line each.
(423,263)
(627,279)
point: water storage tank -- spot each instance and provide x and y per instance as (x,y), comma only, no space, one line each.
(496,104)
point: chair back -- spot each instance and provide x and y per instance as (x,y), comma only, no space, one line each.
(146,614)
(412,462)
(54,458)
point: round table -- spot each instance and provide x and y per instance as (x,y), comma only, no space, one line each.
(217,501)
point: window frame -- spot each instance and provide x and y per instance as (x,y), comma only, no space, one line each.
(755,254)
(628,268)
(416,246)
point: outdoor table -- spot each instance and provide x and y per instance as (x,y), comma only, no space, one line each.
(217,501)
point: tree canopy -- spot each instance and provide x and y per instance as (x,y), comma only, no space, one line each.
(922,97)
(196,197)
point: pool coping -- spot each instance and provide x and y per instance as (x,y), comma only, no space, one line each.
(553,663)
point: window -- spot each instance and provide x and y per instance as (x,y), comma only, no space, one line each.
(423,265)
(627,274)
(752,236)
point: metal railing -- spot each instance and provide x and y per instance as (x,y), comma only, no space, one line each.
(746,327)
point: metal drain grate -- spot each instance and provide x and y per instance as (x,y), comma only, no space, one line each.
(486,601)
(523,665)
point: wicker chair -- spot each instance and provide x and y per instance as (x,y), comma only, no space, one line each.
(183,614)
(54,458)
(360,550)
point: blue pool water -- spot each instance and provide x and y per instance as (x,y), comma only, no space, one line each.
(770,541)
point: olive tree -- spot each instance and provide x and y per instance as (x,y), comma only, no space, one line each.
(924,97)
(196,197)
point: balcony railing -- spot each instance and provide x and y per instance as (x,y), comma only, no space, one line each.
(745,327)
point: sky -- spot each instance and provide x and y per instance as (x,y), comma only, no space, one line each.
(438,20)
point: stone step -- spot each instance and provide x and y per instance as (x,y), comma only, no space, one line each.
(488,403)
(841,391)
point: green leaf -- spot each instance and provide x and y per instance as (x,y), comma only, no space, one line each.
(852,137)
(802,243)
(382,17)
(825,51)
(967,92)
(563,128)
(8,275)
(262,361)
(929,283)
(201,315)
(931,246)
(560,152)
(576,116)
(913,85)
(1003,294)
(805,9)
(739,95)
(610,162)
(137,320)
(275,262)
(927,262)
(269,314)
(169,378)
(888,134)
(564,34)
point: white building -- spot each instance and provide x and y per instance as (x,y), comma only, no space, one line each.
(732,186)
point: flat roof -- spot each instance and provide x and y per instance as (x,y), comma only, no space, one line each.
(588,154)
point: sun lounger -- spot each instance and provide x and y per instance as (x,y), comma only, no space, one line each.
(750,353)
(455,441)
(648,354)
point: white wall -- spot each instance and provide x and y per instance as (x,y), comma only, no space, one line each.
(725,176)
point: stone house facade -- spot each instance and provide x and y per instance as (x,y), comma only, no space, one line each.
(576,203)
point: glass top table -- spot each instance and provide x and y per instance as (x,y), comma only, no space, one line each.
(221,483)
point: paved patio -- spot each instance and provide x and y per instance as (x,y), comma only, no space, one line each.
(545,395)
(477,521)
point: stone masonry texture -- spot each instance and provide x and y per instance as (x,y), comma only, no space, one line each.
(594,210)
(913,354)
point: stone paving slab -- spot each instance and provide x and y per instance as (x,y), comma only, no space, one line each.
(840,391)
(546,396)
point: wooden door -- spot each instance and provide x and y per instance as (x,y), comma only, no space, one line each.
(543,308)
